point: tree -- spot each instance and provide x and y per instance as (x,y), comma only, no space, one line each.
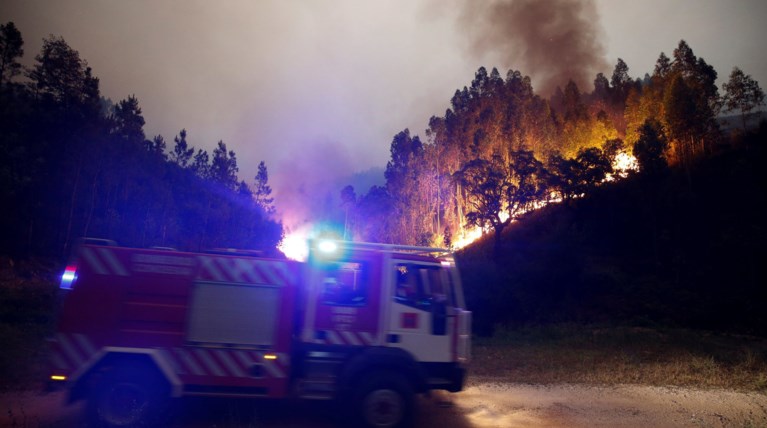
(156,146)
(620,81)
(348,200)
(742,93)
(223,166)
(650,149)
(201,164)
(263,190)
(61,76)
(377,208)
(487,185)
(407,182)
(11,49)
(681,118)
(127,121)
(182,153)
(662,66)
(498,193)
(601,87)
(563,177)
(574,108)
(690,104)
(592,165)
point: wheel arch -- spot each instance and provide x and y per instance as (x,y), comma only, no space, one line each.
(111,358)
(377,359)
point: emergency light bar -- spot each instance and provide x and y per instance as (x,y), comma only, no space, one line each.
(331,246)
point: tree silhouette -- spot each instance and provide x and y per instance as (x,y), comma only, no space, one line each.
(742,93)
(11,49)
(182,153)
(650,149)
(263,191)
(127,121)
(223,166)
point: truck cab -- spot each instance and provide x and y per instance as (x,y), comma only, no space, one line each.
(377,308)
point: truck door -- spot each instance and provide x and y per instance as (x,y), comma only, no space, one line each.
(343,301)
(423,306)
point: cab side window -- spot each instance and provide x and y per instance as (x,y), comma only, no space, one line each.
(411,286)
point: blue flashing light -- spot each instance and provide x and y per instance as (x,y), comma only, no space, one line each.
(68,277)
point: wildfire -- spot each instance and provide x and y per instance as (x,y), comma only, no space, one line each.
(622,164)
(467,237)
(295,246)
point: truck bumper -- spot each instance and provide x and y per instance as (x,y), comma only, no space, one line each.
(447,376)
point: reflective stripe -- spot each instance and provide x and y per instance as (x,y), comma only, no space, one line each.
(208,264)
(268,270)
(85,344)
(91,259)
(333,337)
(112,261)
(351,338)
(189,361)
(367,337)
(241,271)
(167,356)
(230,364)
(70,351)
(208,362)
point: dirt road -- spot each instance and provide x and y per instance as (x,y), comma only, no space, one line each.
(484,403)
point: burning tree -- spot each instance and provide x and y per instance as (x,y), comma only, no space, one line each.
(498,192)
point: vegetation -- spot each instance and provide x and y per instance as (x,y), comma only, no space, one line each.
(76,165)
(676,244)
(28,294)
(680,247)
(622,355)
(467,171)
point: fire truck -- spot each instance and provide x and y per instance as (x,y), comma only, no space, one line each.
(369,325)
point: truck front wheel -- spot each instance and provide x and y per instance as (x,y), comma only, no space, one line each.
(385,400)
(128,398)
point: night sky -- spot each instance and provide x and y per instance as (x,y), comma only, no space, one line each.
(318,89)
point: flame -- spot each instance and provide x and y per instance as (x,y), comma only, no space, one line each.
(467,237)
(295,246)
(622,165)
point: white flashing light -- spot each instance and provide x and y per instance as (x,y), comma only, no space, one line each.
(327,246)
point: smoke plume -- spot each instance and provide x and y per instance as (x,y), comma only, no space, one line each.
(552,41)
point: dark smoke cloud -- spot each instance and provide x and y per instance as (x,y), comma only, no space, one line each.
(552,41)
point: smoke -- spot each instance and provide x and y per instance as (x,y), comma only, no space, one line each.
(552,41)
(306,183)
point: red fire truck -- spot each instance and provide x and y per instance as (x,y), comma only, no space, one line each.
(370,325)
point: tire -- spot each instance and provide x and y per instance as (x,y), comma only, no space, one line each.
(127,398)
(384,400)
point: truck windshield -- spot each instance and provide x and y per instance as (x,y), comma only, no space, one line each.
(345,284)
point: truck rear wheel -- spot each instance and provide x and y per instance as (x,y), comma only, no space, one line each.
(385,400)
(130,397)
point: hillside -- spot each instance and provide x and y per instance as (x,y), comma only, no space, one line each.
(681,249)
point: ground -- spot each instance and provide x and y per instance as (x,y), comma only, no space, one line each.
(484,403)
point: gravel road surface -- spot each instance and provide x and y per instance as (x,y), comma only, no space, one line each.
(485,403)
